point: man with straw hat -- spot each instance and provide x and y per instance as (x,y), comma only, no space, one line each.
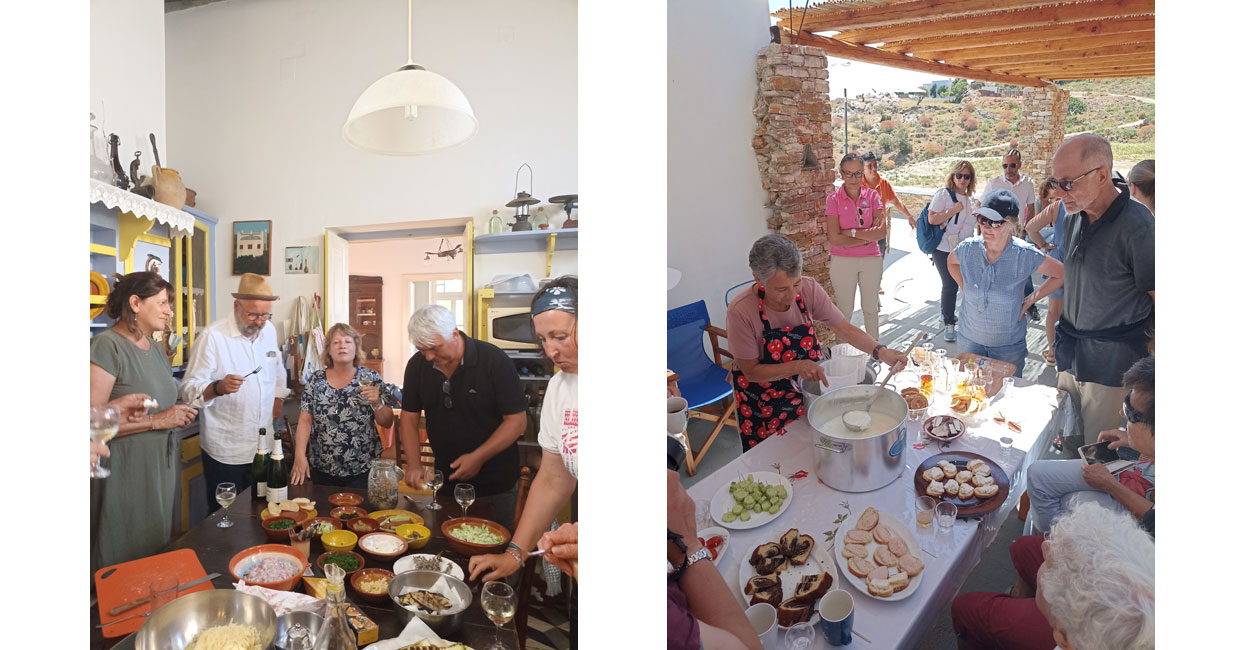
(235,373)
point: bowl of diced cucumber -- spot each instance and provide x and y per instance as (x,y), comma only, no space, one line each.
(752,497)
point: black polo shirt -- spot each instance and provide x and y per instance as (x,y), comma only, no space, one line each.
(1108,274)
(484,388)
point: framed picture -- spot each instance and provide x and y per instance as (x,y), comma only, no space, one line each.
(301,259)
(251,247)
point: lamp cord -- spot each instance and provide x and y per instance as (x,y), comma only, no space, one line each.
(410,41)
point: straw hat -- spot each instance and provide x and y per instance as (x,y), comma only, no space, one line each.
(254,287)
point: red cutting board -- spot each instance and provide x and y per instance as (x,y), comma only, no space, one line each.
(132,580)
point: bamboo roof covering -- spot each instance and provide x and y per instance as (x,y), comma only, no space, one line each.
(1021,42)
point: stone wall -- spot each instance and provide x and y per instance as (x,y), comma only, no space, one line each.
(792,110)
(1042,123)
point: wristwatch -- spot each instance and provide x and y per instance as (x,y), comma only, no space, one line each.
(874,354)
(702,554)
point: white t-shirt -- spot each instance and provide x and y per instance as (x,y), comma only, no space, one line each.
(557,430)
(960,226)
(1023,189)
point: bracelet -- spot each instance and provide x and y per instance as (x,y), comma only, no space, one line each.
(216,388)
(514,554)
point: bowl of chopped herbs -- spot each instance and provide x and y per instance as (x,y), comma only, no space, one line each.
(347,560)
(277,528)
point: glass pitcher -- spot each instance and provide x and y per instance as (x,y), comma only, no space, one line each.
(381,488)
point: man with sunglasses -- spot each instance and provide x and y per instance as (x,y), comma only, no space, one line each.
(237,379)
(1022,186)
(475,411)
(1108,257)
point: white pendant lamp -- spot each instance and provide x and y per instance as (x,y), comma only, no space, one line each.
(410,112)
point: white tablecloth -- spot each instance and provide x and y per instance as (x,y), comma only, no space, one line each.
(814,508)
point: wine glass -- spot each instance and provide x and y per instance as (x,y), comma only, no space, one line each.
(464,497)
(799,636)
(499,603)
(433,482)
(105,421)
(225,494)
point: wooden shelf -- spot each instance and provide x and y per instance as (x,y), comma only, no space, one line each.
(526,241)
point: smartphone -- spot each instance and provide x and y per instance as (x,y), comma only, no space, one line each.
(1098,453)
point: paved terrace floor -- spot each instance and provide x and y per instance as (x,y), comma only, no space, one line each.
(910,304)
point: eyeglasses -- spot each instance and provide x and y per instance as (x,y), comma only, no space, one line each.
(990,223)
(255,316)
(852,174)
(1067,185)
(964,177)
(447,393)
(1012,165)
(1131,414)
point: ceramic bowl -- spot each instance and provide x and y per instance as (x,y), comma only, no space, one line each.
(278,535)
(241,562)
(468,548)
(361,561)
(374,598)
(416,534)
(366,540)
(339,540)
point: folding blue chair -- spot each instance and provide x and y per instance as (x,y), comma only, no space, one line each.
(702,382)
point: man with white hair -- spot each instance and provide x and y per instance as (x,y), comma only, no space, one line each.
(1108,259)
(1095,590)
(475,411)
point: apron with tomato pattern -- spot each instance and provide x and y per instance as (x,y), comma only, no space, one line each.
(765,408)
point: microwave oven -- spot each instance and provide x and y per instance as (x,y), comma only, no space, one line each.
(510,328)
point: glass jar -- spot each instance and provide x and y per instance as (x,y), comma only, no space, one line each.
(99,169)
(381,488)
(497,224)
(540,220)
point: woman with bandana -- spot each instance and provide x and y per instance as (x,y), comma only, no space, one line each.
(554,313)
(771,335)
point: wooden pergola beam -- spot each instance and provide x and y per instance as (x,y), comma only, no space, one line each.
(1107,75)
(1128,49)
(1000,20)
(1071,31)
(821,18)
(1007,68)
(1043,47)
(1057,73)
(852,52)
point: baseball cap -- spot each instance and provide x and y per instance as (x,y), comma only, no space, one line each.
(1002,202)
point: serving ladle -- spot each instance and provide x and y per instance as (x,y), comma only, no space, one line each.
(859,420)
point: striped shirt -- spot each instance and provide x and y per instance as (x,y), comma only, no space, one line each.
(994,292)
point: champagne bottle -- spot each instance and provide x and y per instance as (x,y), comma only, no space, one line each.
(335,633)
(277,473)
(260,467)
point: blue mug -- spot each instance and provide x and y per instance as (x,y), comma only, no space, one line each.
(836,613)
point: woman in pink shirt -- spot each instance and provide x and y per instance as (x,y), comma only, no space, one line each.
(856,221)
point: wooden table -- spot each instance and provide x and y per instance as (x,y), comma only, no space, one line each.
(216,546)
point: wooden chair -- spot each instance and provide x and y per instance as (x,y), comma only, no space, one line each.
(702,383)
(401,454)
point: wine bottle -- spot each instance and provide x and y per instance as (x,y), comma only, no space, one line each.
(260,467)
(277,473)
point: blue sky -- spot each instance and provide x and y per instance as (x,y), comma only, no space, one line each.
(860,77)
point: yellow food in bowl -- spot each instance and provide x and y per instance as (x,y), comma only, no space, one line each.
(416,534)
(373,584)
(339,540)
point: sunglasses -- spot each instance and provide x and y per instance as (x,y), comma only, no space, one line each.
(1012,165)
(447,393)
(964,177)
(990,223)
(1067,185)
(1131,414)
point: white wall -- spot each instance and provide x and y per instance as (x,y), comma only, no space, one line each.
(127,76)
(391,260)
(714,193)
(259,90)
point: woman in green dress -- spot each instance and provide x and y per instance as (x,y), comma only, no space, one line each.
(131,511)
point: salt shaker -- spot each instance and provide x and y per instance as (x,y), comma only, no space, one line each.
(298,638)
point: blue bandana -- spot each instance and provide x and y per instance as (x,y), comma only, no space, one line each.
(558,298)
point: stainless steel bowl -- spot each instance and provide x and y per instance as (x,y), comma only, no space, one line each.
(175,625)
(286,622)
(443,625)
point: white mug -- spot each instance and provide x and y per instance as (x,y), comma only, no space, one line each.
(762,618)
(677,418)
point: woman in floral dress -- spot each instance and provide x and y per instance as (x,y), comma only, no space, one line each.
(340,407)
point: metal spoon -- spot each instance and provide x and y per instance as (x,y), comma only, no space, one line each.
(860,420)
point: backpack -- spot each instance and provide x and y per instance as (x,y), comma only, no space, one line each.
(928,234)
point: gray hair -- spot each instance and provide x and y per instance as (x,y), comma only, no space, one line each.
(428,322)
(1099,580)
(773,253)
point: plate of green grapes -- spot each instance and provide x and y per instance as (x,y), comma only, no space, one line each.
(751,500)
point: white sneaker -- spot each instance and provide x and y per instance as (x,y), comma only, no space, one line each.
(950,334)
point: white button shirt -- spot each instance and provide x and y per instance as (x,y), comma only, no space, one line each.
(1023,188)
(230,423)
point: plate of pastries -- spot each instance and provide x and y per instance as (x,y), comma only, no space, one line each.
(790,573)
(973,482)
(880,556)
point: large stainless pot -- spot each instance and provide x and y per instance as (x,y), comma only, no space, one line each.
(859,464)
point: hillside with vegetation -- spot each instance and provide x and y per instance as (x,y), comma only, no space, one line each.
(919,140)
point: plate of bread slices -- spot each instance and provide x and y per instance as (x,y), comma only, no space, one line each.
(880,556)
(973,482)
(791,574)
